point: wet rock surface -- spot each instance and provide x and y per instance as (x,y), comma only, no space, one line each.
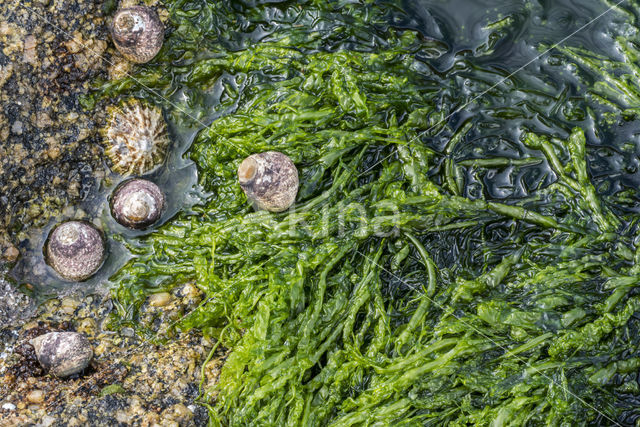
(52,163)
(128,381)
(50,152)
(14,305)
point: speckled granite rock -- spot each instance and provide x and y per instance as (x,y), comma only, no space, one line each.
(14,305)
(51,159)
(129,381)
(50,152)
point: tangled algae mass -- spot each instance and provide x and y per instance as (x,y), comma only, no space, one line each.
(464,245)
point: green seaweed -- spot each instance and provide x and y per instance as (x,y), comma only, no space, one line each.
(616,82)
(112,389)
(388,295)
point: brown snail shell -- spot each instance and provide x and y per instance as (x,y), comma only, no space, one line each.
(137,33)
(75,250)
(270,180)
(136,138)
(137,203)
(63,353)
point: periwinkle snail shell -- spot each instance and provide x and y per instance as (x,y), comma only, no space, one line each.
(63,353)
(137,203)
(270,180)
(137,33)
(75,250)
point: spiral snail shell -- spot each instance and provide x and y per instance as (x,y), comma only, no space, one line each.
(137,33)
(137,203)
(63,353)
(75,250)
(270,180)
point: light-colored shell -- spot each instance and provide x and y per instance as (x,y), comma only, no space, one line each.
(75,250)
(63,353)
(137,33)
(270,180)
(137,203)
(136,138)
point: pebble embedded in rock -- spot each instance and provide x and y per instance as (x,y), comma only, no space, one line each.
(17,127)
(35,396)
(9,407)
(63,353)
(160,299)
(11,254)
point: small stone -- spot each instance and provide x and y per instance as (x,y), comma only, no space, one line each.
(191,291)
(160,299)
(68,305)
(9,407)
(123,417)
(53,152)
(128,332)
(30,53)
(35,396)
(43,120)
(11,254)
(177,413)
(17,127)
(63,353)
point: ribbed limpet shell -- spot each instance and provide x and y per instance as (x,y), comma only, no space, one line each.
(136,138)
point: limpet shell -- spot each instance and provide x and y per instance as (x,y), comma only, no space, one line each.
(136,138)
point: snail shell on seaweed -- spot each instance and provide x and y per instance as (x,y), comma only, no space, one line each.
(270,180)
(137,33)
(75,250)
(63,353)
(137,203)
(136,138)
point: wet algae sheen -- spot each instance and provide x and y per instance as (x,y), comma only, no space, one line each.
(464,245)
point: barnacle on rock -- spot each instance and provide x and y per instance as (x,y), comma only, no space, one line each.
(136,138)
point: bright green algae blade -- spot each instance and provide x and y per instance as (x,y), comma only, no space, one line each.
(396,291)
